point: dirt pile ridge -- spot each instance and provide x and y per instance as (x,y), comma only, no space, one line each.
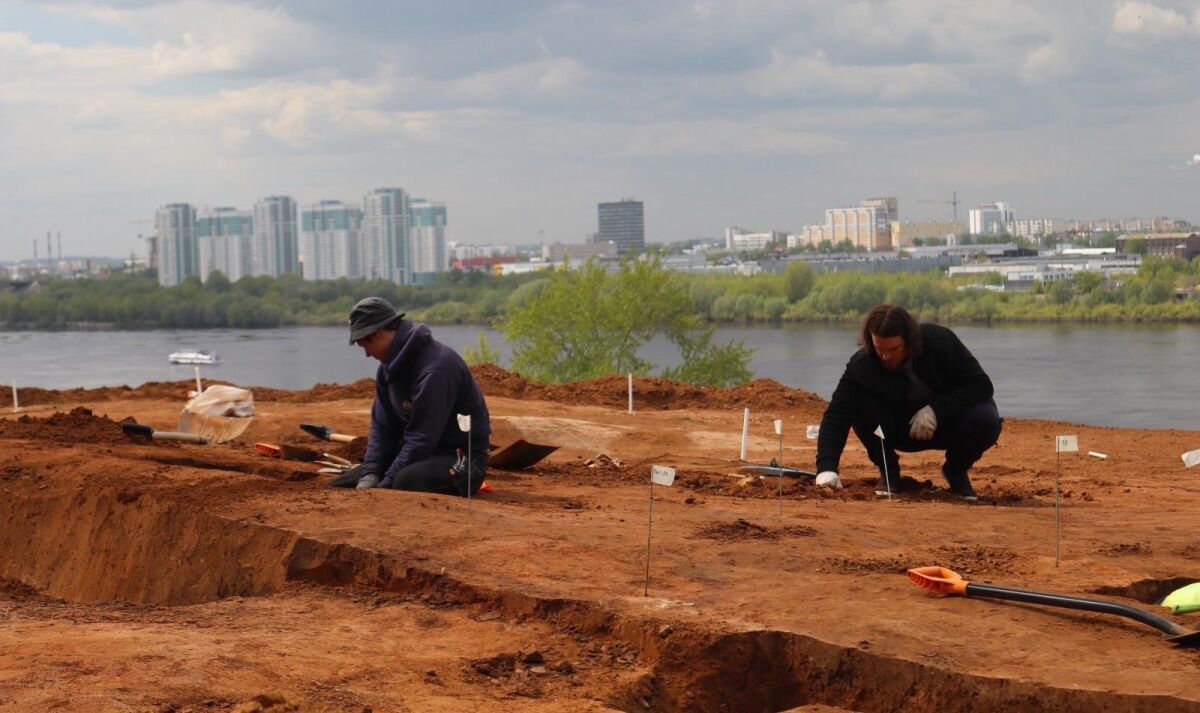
(79,425)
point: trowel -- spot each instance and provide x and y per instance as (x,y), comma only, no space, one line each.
(325,433)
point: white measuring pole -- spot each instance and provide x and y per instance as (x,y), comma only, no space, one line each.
(887,479)
(1062,444)
(779,461)
(745,431)
(464,424)
(16,404)
(663,476)
(199,387)
(631,394)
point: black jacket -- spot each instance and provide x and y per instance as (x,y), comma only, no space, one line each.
(418,394)
(944,365)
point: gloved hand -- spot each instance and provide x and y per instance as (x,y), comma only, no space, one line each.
(830,479)
(923,424)
(368,481)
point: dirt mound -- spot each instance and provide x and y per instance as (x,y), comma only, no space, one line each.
(79,425)
(648,392)
(274,703)
(745,530)
(33,396)
(354,451)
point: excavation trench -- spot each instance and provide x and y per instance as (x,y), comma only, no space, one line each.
(113,545)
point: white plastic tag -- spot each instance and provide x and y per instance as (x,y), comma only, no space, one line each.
(811,431)
(1066,444)
(662,475)
(879,432)
(464,422)
(779,427)
(1191,459)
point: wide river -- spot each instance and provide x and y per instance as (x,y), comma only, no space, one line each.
(1138,377)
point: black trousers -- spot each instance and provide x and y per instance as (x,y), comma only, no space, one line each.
(442,473)
(964,440)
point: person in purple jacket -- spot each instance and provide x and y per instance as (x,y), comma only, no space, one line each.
(421,387)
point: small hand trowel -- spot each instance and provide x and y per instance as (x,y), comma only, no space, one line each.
(325,433)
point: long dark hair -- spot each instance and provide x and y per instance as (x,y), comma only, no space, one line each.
(890,321)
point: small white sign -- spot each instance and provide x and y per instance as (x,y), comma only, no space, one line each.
(662,475)
(464,422)
(879,432)
(779,427)
(1191,459)
(1066,444)
(811,431)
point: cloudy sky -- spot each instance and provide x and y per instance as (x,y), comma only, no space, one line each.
(523,114)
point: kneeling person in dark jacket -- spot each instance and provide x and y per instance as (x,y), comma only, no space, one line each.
(421,387)
(923,388)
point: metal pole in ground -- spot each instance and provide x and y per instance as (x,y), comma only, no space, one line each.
(649,525)
(16,404)
(887,479)
(779,462)
(1057,503)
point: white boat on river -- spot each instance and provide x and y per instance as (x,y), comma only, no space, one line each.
(193,357)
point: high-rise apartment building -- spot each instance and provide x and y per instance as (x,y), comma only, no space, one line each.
(175,229)
(276,239)
(990,219)
(223,241)
(427,239)
(623,222)
(385,236)
(330,240)
(889,205)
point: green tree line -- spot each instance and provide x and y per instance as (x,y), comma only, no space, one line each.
(1162,290)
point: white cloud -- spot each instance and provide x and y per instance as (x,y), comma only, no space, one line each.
(1146,19)
(816,75)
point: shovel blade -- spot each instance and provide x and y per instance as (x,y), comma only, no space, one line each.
(519,455)
(1191,638)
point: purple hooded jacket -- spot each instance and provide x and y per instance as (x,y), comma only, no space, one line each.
(419,392)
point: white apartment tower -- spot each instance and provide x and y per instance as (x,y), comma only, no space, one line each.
(175,230)
(990,219)
(331,241)
(386,251)
(427,238)
(276,243)
(223,240)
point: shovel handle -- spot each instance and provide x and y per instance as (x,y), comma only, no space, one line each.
(340,438)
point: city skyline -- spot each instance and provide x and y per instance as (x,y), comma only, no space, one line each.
(713,114)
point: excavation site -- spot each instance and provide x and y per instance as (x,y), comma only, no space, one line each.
(149,574)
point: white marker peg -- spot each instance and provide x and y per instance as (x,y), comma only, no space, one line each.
(662,475)
(1191,459)
(1097,454)
(779,427)
(464,422)
(1066,444)
(879,432)
(811,431)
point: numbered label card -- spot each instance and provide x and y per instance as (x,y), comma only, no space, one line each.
(1066,444)
(811,432)
(1191,458)
(779,427)
(662,475)
(879,432)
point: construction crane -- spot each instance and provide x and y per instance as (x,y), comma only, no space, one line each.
(953,202)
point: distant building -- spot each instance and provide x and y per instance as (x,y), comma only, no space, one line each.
(427,238)
(276,237)
(622,222)
(809,235)
(556,252)
(1178,245)
(223,241)
(865,227)
(738,239)
(1037,227)
(990,219)
(889,206)
(331,241)
(386,251)
(903,234)
(178,257)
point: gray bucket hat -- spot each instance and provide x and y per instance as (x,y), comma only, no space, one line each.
(371,315)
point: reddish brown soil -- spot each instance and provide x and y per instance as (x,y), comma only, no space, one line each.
(152,577)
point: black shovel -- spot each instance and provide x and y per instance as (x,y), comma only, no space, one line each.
(325,433)
(945,581)
(140,430)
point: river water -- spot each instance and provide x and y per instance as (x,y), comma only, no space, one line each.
(1139,377)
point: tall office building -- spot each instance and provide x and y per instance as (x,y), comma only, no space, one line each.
(889,205)
(991,219)
(175,230)
(276,243)
(330,240)
(864,227)
(622,222)
(223,241)
(385,236)
(427,239)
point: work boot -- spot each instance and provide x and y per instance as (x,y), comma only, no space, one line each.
(960,485)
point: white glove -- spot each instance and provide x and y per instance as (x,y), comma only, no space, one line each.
(829,479)
(923,424)
(368,481)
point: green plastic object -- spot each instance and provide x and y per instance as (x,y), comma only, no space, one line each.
(1184,600)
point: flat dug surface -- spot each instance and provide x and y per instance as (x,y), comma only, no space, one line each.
(173,577)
